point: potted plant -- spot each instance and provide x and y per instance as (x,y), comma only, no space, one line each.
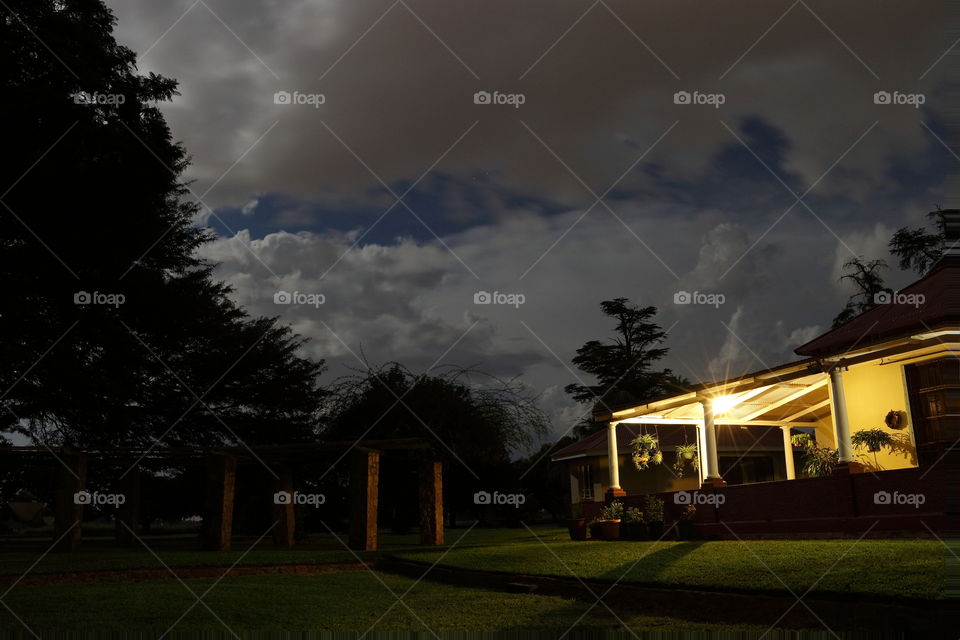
(577,524)
(646,451)
(609,519)
(595,533)
(686,454)
(653,516)
(686,528)
(873,440)
(632,527)
(818,462)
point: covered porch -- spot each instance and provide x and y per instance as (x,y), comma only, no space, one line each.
(797,395)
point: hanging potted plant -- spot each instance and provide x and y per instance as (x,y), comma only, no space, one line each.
(577,524)
(609,520)
(632,527)
(686,454)
(873,440)
(653,515)
(646,451)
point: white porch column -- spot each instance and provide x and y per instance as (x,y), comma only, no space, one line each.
(841,427)
(712,467)
(788,453)
(614,490)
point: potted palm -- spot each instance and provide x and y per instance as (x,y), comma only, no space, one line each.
(646,451)
(873,440)
(686,529)
(609,520)
(577,524)
(686,454)
(653,516)
(632,527)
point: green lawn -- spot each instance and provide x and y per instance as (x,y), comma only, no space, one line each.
(352,601)
(878,568)
(349,601)
(180,551)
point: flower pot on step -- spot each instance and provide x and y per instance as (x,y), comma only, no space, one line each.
(610,529)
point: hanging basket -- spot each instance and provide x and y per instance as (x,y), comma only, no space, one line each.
(894,419)
(646,451)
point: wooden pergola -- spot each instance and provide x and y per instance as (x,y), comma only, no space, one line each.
(221,465)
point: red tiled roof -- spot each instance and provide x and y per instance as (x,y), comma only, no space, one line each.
(941,305)
(728,437)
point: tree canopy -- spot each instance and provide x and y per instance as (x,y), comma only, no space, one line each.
(623,366)
(115,332)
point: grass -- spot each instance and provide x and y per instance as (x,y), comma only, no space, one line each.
(901,569)
(180,551)
(351,601)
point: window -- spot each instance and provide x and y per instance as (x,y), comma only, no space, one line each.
(934,391)
(585,480)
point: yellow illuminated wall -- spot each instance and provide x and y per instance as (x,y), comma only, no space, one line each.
(871,391)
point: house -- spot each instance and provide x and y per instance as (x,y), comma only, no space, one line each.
(894,367)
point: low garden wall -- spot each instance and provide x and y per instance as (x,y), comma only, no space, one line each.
(885,502)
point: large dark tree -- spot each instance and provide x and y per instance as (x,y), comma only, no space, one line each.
(471,420)
(623,366)
(93,200)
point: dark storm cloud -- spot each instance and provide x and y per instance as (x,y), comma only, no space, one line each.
(505,189)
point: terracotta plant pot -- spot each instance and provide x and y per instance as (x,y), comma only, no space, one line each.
(577,528)
(610,529)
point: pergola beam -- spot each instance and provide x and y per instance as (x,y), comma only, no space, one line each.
(806,410)
(694,421)
(787,399)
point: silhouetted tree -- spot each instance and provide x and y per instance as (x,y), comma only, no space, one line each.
(867,278)
(917,249)
(474,421)
(93,201)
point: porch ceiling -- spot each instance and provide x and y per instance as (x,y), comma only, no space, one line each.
(802,401)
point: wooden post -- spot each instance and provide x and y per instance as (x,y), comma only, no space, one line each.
(128,515)
(431,503)
(364,492)
(69,501)
(218,508)
(283,513)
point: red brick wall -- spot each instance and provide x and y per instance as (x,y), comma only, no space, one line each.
(841,504)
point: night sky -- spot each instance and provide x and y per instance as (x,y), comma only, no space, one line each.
(598,185)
